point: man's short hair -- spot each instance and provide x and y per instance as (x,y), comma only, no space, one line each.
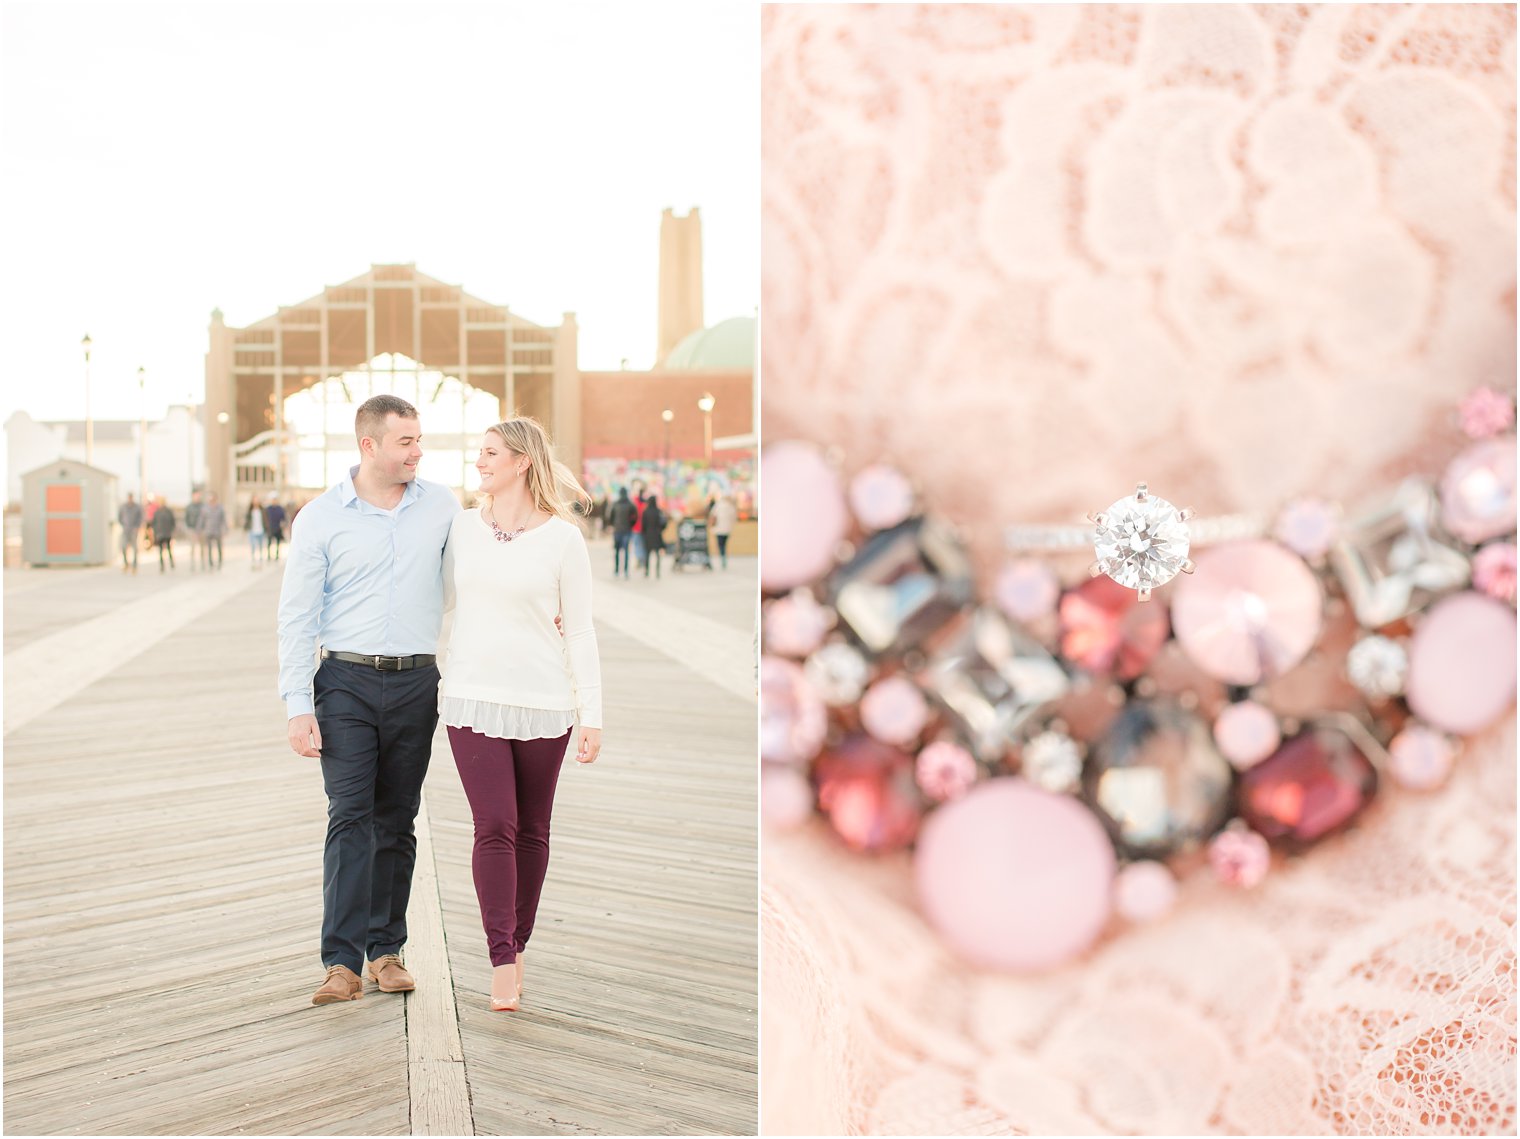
(369,422)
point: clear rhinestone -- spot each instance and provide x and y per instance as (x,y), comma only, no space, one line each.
(838,673)
(1157,781)
(991,679)
(1388,562)
(903,585)
(1052,760)
(1142,542)
(1377,666)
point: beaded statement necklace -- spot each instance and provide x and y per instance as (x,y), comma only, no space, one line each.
(504,535)
(1058,754)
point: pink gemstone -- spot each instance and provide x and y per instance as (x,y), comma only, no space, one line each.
(894,710)
(795,625)
(1014,877)
(1462,663)
(1308,527)
(1145,891)
(1246,734)
(1240,857)
(881,497)
(1486,412)
(1493,570)
(866,789)
(1105,628)
(786,797)
(1313,784)
(1026,590)
(945,770)
(1420,759)
(793,720)
(1251,611)
(1478,491)
(805,517)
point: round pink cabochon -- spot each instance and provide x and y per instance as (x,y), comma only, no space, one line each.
(1014,877)
(1462,663)
(805,516)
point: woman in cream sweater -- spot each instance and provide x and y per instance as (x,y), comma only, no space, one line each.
(513,687)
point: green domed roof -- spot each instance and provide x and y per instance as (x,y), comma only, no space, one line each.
(727,345)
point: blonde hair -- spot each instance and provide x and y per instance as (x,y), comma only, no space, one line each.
(553,487)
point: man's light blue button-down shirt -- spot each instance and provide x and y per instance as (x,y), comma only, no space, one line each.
(359,579)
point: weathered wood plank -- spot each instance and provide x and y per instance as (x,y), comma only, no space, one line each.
(163,879)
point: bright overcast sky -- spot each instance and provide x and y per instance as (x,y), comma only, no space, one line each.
(161,160)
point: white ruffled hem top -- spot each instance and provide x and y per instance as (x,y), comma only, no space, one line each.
(505,721)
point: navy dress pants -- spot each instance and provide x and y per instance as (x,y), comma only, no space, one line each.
(377,738)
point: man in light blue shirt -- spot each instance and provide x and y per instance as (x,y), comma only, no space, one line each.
(364,581)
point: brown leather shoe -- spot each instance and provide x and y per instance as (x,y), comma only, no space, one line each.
(342,984)
(391,975)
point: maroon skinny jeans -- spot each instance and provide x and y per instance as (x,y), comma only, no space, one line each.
(510,785)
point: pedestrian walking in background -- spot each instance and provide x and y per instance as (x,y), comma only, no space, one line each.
(193,534)
(274,525)
(621,515)
(253,522)
(213,526)
(654,534)
(721,517)
(636,541)
(512,687)
(130,517)
(150,508)
(365,583)
(163,533)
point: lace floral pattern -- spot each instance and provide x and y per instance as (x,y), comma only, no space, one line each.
(1032,254)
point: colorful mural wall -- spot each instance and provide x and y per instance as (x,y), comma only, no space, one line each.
(682,486)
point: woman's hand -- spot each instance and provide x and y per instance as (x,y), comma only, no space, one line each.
(590,746)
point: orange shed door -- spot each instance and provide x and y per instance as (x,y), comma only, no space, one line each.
(64,508)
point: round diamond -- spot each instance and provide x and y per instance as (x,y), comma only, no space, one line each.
(1142,542)
(1377,666)
(1053,762)
(838,673)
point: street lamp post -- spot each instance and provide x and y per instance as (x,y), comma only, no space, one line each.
(190,443)
(89,423)
(667,415)
(142,439)
(706,403)
(222,420)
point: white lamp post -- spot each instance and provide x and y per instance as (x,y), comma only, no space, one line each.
(89,423)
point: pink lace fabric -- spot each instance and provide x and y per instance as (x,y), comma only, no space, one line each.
(1031,255)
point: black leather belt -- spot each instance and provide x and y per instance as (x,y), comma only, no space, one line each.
(384,664)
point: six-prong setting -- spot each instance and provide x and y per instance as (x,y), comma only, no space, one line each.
(1141,541)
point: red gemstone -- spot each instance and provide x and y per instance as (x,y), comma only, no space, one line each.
(1105,628)
(1309,787)
(867,791)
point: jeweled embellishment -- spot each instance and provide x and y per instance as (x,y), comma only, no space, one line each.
(1157,780)
(1377,666)
(990,679)
(867,791)
(1052,761)
(1141,541)
(1314,784)
(903,585)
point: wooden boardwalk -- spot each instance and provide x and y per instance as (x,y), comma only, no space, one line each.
(163,879)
